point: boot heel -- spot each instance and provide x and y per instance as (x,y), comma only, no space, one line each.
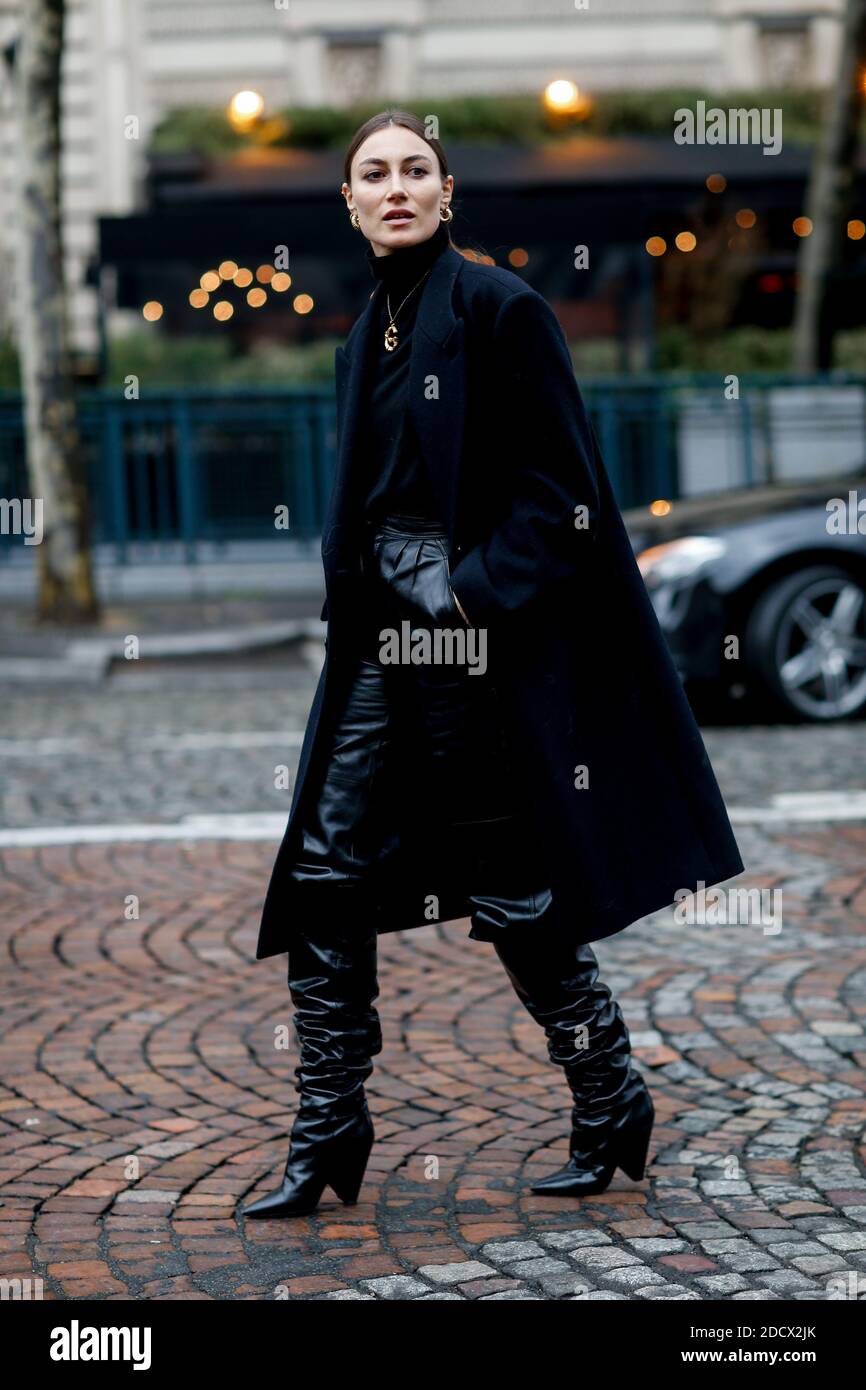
(347,1174)
(632,1157)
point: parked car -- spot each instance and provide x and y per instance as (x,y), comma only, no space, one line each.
(763,591)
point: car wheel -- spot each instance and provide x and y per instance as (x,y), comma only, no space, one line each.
(805,641)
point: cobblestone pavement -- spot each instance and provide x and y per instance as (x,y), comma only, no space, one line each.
(143,1097)
(161,740)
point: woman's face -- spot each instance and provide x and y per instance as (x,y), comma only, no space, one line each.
(396,172)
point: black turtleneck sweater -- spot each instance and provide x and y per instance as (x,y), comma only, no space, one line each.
(397,479)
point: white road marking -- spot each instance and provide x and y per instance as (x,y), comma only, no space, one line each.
(805,806)
(249,738)
(787,807)
(250,826)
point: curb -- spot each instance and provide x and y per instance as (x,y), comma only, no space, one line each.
(87,661)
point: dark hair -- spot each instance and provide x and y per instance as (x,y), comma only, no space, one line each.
(394,116)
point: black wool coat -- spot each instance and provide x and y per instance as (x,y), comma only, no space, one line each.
(613,771)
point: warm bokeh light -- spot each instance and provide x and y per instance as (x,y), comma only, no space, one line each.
(660,507)
(302,303)
(245,108)
(223,310)
(563,96)
(152,310)
(228,270)
(517,256)
(243,277)
(210,280)
(656,245)
(198,298)
(856,229)
(256,297)
(802,225)
(745,218)
(717,183)
(280,281)
(265,274)
(686,241)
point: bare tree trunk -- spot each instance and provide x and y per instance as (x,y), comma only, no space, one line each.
(830,188)
(54,461)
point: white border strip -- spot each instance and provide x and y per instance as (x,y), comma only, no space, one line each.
(227,827)
(786,808)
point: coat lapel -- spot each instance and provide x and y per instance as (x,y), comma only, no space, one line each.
(436,394)
(348,376)
(437,383)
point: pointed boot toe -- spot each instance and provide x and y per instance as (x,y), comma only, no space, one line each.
(589,1172)
(285,1201)
(575,1181)
(338,1162)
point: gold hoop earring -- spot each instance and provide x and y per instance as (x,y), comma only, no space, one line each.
(446,215)
(355,219)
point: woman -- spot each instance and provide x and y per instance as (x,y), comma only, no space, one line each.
(545,776)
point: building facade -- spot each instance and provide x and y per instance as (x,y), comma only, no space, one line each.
(128,62)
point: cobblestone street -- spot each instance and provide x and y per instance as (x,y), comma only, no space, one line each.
(143,1098)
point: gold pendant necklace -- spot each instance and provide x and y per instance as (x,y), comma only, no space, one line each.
(391,338)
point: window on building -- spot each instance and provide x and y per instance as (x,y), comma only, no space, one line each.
(786,54)
(354,69)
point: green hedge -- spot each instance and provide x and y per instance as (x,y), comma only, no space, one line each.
(200,361)
(206,361)
(749,349)
(741,350)
(493,119)
(194,360)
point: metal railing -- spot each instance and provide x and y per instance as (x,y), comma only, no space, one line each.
(212,465)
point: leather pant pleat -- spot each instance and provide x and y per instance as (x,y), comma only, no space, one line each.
(441,729)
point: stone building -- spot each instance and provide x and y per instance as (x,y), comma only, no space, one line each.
(140,58)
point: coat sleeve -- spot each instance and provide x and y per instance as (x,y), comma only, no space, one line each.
(551,516)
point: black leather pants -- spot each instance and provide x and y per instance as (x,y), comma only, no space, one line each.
(463,766)
(465,770)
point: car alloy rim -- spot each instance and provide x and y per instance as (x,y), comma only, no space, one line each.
(821,648)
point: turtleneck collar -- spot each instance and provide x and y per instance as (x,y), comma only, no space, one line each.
(408,263)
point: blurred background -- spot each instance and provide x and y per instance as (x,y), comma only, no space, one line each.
(181,269)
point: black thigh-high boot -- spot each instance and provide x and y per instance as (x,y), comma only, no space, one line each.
(332,977)
(612,1114)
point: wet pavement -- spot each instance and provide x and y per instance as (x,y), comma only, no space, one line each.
(144,1096)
